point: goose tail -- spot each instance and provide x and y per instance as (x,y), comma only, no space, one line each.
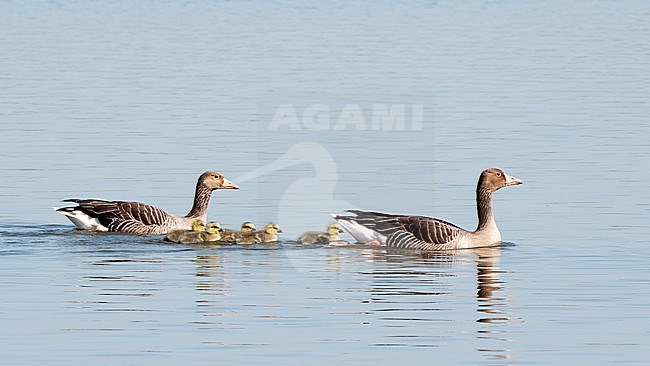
(359,232)
(80,219)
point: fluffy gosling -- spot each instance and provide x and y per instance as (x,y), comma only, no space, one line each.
(320,237)
(175,236)
(268,235)
(231,236)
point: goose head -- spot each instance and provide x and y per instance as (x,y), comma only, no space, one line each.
(272,229)
(214,180)
(493,179)
(333,229)
(247,227)
(213,227)
(198,225)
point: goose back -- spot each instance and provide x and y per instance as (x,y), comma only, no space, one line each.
(409,232)
(131,217)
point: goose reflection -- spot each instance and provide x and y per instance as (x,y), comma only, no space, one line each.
(492,306)
(488,282)
(417,291)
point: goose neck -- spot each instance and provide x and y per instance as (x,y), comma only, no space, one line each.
(201,201)
(484,208)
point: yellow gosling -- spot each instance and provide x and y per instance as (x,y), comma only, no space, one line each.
(211,234)
(320,237)
(231,236)
(175,236)
(268,235)
(247,227)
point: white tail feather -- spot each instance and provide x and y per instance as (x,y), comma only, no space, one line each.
(361,233)
(83,221)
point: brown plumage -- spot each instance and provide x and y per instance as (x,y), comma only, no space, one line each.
(140,218)
(426,233)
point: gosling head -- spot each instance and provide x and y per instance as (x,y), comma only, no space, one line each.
(272,229)
(213,227)
(214,180)
(493,179)
(198,225)
(333,229)
(247,227)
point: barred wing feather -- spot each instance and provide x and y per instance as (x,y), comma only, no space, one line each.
(412,232)
(121,216)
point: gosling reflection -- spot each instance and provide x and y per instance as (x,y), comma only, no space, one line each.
(210,275)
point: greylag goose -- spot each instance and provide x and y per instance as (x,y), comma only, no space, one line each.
(231,236)
(139,218)
(313,237)
(175,236)
(268,235)
(211,234)
(426,233)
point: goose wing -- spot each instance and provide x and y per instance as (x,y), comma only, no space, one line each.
(412,232)
(127,217)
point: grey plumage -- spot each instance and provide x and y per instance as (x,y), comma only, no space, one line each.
(414,232)
(126,217)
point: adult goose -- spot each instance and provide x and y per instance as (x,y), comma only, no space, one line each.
(426,233)
(139,218)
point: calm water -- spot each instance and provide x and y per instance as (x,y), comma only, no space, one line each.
(130,101)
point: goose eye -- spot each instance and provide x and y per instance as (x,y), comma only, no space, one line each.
(498,174)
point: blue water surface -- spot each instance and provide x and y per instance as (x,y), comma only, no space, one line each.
(133,100)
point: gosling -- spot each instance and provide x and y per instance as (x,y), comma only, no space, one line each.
(268,235)
(175,236)
(319,237)
(230,236)
(211,234)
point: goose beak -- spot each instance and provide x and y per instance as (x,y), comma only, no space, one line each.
(221,230)
(512,181)
(280,231)
(228,184)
